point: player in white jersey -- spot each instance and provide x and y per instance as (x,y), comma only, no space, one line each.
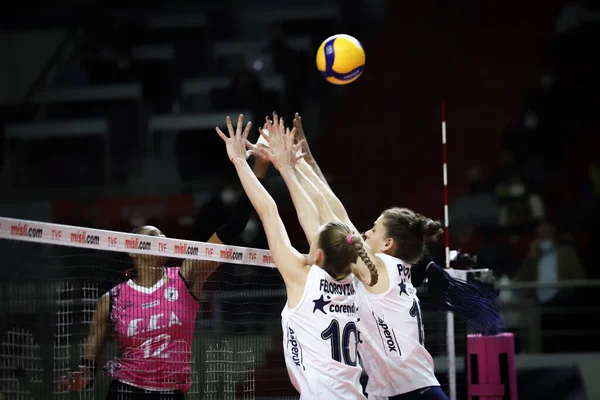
(392,346)
(390,325)
(391,342)
(319,319)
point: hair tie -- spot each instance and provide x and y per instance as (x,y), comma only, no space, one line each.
(349,238)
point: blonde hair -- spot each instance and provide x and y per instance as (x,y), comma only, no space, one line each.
(341,249)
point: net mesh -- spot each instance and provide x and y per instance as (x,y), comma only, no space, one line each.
(50,291)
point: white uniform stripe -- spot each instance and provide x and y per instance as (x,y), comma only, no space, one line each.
(444,132)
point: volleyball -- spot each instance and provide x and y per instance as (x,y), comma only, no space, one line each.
(341,59)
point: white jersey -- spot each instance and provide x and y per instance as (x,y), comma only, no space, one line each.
(391,335)
(320,339)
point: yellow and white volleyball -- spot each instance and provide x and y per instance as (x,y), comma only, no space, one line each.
(341,59)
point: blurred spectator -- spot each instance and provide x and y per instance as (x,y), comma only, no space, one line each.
(550,261)
(520,206)
(495,254)
(477,207)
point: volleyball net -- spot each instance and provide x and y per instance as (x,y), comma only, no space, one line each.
(52,277)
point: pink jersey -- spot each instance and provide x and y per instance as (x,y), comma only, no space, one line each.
(154,328)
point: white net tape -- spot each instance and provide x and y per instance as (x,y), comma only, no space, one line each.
(237,333)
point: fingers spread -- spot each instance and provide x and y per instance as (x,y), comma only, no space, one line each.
(292,135)
(240,124)
(229,126)
(298,145)
(221,134)
(247,130)
(265,153)
(250,146)
(300,155)
(264,135)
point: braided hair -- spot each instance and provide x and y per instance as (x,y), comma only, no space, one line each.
(358,244)
(341,249)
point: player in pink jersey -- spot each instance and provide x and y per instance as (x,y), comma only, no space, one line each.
(152,317)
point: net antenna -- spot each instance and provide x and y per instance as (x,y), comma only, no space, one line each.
(450,339)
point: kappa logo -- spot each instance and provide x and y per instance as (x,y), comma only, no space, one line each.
(171,294)
(152,304)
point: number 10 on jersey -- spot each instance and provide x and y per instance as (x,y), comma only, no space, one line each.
(341,348)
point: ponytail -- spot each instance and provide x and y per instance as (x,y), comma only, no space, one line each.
(357,242)
(480,308)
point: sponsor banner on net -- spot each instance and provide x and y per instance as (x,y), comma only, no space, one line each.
(66,235)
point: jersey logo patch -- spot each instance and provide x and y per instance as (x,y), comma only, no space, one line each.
(320,304)
(171,294)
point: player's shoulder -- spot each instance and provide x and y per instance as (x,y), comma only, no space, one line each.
(117,289)
(104,302)
(389,261)
(388,257)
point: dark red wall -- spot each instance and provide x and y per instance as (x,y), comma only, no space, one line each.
(387,132)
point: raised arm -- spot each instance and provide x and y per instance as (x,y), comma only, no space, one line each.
(290,263)
(197,272)
(335,206)
(283,154)
(300,136)
(334,203)
(325,212)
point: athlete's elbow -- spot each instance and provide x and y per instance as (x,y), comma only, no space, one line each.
(267,209)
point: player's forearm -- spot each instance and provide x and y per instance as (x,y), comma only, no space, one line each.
(323,209)
(334,203)
(229,232)
(93,349)
(310,160)
(261,200)
(305,208)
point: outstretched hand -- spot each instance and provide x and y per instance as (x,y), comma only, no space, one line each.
(236,142)
(256,149)
(300,137)
(282,151)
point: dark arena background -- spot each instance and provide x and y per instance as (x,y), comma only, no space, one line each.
(108,113)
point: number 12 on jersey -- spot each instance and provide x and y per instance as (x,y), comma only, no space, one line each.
(163,339)
(340,349)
